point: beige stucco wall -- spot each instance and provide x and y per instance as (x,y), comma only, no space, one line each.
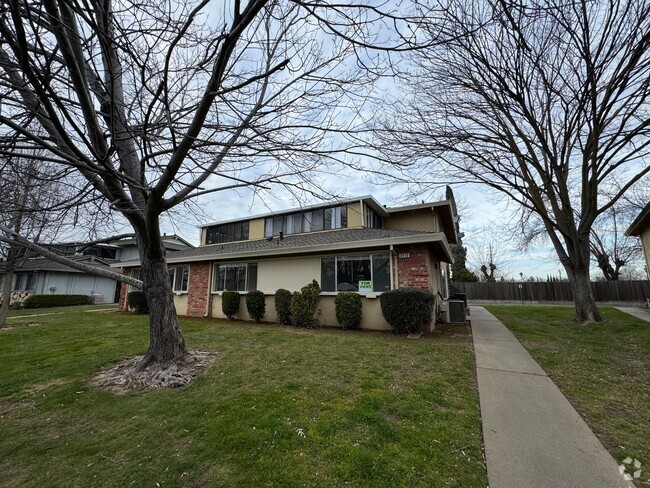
(645,241)
(291,274)
(180,303)
(371,317)
(256,229)
(421,219)
(354,215)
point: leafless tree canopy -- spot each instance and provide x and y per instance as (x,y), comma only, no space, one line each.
(546,102)
(153,103)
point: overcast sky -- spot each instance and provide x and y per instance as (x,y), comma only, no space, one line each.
(484,220)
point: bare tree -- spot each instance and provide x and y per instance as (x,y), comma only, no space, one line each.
(155,103)
(545,102)
(26,191)
(610,247)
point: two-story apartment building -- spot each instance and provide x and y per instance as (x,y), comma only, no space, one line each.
(355,244)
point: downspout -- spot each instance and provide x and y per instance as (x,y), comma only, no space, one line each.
(393,253)
(208,309)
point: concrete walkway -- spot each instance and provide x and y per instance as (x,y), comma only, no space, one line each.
(533,435)
(639,313)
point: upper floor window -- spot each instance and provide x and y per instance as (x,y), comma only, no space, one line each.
(309,221)
(373,220)
(179,277)
(235,277)
(235,231)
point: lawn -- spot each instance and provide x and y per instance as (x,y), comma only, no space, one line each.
(603,369)
(280,407)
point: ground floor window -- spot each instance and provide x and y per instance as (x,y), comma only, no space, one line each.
(366,273)
(25,282)
(235,277)
(179,278)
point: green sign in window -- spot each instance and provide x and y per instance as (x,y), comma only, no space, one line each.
(365,285)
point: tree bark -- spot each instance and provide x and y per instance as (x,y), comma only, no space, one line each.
(583,297)
(166,337)
(6,295)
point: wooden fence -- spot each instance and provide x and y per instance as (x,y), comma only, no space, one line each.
(559,291)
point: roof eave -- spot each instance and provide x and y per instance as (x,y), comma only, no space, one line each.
(640,223)
(436,237)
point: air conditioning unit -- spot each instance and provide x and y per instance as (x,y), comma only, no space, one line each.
(456,312)
(96,298)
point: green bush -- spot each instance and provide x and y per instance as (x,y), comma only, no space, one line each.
(348,309)
(230,304)
(283,306)
(304,304)
(137,300)
(255,304)
(407,309)
(41,301)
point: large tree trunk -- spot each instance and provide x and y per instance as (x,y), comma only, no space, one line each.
(6,295)
(583,297)
(166,338)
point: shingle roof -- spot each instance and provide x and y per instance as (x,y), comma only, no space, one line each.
(45,264)
(360,237)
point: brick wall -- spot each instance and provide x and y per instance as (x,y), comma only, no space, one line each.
(197,290)
(123,291)
(416,270)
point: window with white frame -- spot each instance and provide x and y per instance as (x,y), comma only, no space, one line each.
(234,277)
(310,221)
(179,278)
(137,274)
(364,273)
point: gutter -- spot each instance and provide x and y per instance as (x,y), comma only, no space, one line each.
(437,237)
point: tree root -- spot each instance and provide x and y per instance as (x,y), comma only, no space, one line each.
(129,375)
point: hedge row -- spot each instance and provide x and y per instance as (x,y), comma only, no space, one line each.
(42,301)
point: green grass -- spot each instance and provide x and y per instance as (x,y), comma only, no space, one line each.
(376,409)
(603,369)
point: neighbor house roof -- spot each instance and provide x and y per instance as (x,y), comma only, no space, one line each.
(641,222)
(313,242)
(46,264)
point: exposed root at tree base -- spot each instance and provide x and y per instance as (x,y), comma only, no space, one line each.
(128,375)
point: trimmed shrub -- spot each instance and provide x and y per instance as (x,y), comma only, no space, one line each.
(255,304)
(348,309)
(283,306)
(407,309)
(137,301)
(304,304)
(230,304)
(41,301)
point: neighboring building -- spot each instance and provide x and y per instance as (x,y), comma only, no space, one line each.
(43,276)
(353,245)
(641,228)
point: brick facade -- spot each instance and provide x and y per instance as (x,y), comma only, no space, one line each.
(414,271)
(198,287)
(123,291)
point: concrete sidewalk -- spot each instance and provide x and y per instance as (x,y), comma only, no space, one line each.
(533,435)
(639,313)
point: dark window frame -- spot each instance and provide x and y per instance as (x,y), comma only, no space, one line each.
(326,281)
(229,232)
